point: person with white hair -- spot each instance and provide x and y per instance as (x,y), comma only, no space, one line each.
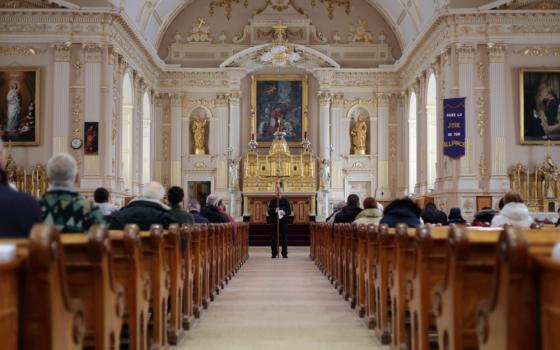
(194,208)
(62,205)
(337,207)
(18,211)
(145,211)
(211,210)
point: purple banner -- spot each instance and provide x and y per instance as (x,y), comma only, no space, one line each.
(454,127)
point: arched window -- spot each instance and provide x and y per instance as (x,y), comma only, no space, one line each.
(146,139)
(126,130)
(431,130)
(412,143)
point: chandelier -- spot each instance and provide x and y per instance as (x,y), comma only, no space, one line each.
(280,53)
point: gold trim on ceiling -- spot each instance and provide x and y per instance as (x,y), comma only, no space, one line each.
(227,4)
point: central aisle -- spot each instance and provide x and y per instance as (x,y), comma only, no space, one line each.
(279,304)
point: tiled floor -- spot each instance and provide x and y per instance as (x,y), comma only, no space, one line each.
(279,304)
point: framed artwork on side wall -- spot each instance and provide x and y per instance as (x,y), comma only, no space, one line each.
(539,99)
(20,106)
(91,138)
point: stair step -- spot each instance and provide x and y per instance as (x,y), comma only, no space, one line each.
(259,235)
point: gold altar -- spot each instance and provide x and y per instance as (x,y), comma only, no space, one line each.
(540,188)
(297,172)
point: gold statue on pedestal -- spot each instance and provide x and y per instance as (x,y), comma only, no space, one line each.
(199,134)
(359,135)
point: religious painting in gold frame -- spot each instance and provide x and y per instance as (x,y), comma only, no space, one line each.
(20,105)
(279,99)
(539,102)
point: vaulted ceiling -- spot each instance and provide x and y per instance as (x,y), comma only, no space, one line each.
(151,17)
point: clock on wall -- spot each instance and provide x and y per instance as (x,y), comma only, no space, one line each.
(76,143)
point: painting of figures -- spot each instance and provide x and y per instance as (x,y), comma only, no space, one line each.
(280,103)
(19,106)
(539,94)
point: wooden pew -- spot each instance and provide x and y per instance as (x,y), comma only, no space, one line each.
(549,275)
(222,255)
(89,274)
(469,266)
(509,319)
(351,263)
(188,284)
(338,257)
(361,267)
(371,247)
(176,260)
(153,258)
(398,271)
(36,307)
(197,270)
(128,269)
(427,270)
(205,259)
(384,257)
(212,260)
(10,273)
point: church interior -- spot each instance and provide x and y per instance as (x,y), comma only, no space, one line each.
(370,107)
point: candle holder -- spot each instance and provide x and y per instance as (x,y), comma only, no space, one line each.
(253,144)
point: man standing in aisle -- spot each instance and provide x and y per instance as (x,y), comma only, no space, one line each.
(279,210)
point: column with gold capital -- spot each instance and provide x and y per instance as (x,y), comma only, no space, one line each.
(324,144)
(383,190)
(61,97)
(324,124)
(176,139)
(497,96)
(235,123)
(466,54)
(91,175)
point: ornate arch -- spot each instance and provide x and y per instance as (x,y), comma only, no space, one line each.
(248,59)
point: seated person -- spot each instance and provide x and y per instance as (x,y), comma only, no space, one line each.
(514,212)
(402,211)
(62,205)
(212,210)
(371,213)
(484,217)
(223,210)
(455,216)
(144,211)
(432,215)
(101,197)
(18,211)
(336,209)
(175,197)
(194,209)
(350,211)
